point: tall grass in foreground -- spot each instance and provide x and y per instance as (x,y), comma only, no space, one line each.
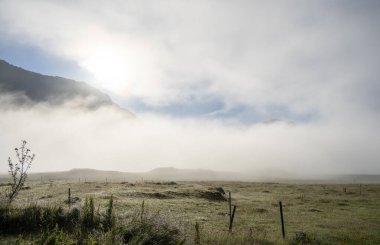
(86,225)
(148,227)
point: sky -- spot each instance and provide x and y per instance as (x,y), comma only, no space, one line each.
(208,74)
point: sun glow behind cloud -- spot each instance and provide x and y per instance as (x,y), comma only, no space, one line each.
(260,55)
(120,69)
(317,58)
(108,68)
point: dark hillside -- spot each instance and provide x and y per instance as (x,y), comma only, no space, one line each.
(53,90)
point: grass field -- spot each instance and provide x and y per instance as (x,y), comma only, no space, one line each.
(315,214)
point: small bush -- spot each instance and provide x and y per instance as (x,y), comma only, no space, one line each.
(50,217)
(146,228)
(56,237)
(221,190)
(88,219)
(15,220)
(31,216)
(73,217)
(31,219)
(212,195)
(110,218)
(18,171)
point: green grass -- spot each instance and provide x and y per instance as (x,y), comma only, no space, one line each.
(314,214)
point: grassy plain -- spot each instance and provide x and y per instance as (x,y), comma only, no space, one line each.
(316,214)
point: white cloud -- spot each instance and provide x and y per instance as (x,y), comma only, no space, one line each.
(309,57)
(312,57)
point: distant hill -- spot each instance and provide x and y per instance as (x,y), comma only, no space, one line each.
(51,89)
(84,174)
(159,174)
(176,174)
(170,173)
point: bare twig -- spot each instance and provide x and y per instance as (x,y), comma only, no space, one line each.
(18,170)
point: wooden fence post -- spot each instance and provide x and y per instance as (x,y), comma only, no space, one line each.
(229,204)
(197,238)
(282,221)
(232,218)
(69,197)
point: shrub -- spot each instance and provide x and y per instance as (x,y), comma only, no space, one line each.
(16,220)
(52,216)
(146,228)
(34,218)
(73,218)
(88,219)
(56,237)
(18,171)
(110,218)
(31,216)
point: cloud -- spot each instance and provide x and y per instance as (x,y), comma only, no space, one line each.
(65,137)
(313,57)
(317,58)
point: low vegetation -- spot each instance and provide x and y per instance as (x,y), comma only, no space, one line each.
(86,225)
(62,212)
(121,213)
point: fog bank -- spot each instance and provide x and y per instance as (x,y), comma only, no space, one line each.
(65,137)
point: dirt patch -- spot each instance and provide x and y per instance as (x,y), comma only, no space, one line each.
(315,210)
(178,194)
(211,195)
(165,183)
(151,195)
(324,201)
(260,210)
(45,197)
(343,204)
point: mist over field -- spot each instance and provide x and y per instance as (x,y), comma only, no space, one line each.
(190,122)
(244,86)
(68,136)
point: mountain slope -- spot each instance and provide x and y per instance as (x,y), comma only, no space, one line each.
(53,90)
